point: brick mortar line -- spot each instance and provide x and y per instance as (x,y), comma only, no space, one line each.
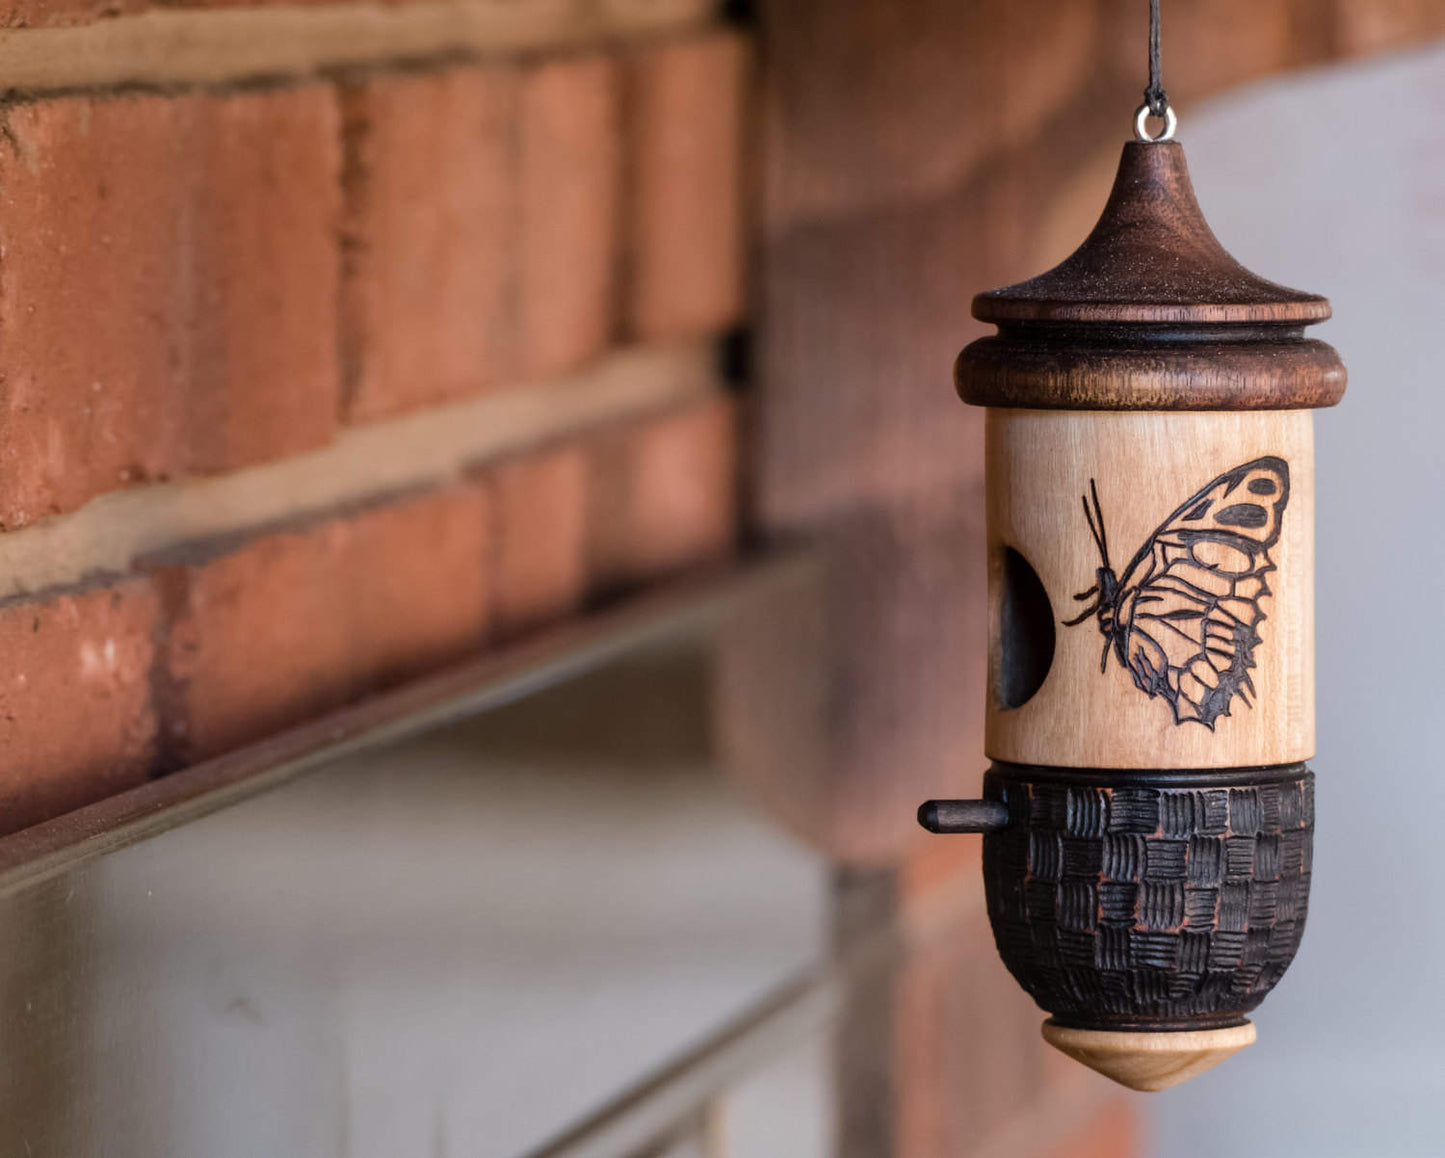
(108,536)
(171,47)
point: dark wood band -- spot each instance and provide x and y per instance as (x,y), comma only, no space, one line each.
(1245,777)
(1067,371)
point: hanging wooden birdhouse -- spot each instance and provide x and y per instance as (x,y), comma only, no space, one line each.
(1150,487)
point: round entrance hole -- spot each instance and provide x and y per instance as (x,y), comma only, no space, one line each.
(1025,632)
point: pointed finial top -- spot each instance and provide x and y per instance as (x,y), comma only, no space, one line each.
(1152,258)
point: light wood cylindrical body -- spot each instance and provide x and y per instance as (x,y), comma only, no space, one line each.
(1247,697)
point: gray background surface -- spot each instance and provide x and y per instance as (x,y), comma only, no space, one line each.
(1335,182)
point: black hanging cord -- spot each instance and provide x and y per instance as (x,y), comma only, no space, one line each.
(1155,96)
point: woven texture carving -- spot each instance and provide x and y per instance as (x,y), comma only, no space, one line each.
(1150,901)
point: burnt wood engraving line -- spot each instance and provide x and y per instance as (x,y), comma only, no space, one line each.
(1184,616)
(1145,907)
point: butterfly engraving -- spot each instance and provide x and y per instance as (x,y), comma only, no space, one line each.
(1184,616)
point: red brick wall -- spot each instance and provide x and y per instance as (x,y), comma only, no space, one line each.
(229,312)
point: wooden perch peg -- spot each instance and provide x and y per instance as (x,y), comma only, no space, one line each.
(962,815)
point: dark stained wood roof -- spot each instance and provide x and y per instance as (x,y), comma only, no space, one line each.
(1152,258)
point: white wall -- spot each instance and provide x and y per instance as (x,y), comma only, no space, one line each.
(1335,182)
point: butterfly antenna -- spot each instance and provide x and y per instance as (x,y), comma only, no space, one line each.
(1089,515)
(1095,517)
(1096,524)
(1102,537)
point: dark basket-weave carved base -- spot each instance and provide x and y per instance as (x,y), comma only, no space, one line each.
(1139,900)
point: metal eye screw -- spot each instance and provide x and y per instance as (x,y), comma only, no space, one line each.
(1141,120)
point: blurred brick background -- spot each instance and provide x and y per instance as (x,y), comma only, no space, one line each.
(207,282)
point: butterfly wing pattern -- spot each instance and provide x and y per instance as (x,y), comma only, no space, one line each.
(1184,617)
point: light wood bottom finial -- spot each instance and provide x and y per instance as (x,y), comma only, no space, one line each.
(1149,1061)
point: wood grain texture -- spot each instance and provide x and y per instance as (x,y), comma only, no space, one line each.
(1144,466)
(1069,370)
(1149,1062)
